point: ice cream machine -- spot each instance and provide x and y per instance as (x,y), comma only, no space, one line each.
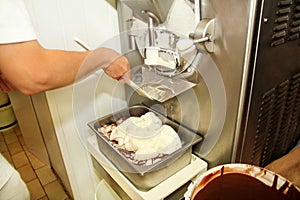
(202,64)
(203,72)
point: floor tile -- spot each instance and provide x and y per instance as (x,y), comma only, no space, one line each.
(45,175)
(17,131)
(1,138)
(55,191)
(8,132)
(27,173)
(34,172)
(20,159)
(8,157)
(3,147)
(21,140)
(10,138)
(35,162)
(36,190)
(44,198)
(14,148)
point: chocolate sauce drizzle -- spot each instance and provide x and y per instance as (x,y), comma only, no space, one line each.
(236,186)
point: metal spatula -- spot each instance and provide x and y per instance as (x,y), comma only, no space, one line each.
(138,89)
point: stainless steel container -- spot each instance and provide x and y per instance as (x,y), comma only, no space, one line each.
(146,177)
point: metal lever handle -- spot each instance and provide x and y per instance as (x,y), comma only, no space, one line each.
(204,35)
(204,39)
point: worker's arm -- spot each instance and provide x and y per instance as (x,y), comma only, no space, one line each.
(30,68)
(288,166)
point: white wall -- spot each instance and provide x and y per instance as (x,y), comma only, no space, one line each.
(94,22)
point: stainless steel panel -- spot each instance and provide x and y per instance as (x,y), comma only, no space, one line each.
(271,124)
(234,21)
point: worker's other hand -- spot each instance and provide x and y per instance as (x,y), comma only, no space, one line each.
(288,166)
(118,67)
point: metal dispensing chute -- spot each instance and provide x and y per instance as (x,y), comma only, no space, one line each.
(167,56)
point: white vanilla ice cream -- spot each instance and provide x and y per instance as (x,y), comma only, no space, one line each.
(146,136)
(161,57)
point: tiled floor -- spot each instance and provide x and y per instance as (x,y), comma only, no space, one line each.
(39,178)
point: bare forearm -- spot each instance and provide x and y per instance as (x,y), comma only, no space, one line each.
(67,67)
(288,166)
(32,69)
(39,70)
(71,66)
(60,68)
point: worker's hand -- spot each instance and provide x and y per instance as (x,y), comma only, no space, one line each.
(288,166)
(114,64)
(118,68)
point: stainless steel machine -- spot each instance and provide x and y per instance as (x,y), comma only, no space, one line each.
(245,97)
(227,70)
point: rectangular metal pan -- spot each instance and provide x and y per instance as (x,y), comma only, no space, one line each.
(146,177)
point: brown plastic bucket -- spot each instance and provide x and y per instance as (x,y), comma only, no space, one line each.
(241,181)
(3,99)
(7,115)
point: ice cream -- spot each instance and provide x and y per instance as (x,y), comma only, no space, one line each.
(146,136)
(144,126)
(165,58)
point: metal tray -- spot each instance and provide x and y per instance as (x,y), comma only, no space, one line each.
(145,177)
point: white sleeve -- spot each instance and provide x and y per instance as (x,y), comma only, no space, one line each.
(6,170)
(15,23)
